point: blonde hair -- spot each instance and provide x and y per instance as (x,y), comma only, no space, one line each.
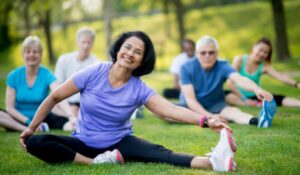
(85,31)
(207,40)
(32,40)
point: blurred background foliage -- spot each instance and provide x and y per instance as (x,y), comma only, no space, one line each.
(236,24)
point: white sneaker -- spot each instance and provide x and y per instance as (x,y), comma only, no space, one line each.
(222,155)
(109,157)
(44,127)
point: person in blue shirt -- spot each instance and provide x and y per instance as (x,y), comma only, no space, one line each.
(202,81)
(27,87)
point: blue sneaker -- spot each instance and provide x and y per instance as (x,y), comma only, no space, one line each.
(267,114)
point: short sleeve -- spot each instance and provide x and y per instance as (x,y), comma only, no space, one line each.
(174,69)
(59,70)
(228,69)
(185,75)
(145,93)
(50,77)
(11,79)
(82,77)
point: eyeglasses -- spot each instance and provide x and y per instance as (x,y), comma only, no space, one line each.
(210,53)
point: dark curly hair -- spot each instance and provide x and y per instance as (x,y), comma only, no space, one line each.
(149,58)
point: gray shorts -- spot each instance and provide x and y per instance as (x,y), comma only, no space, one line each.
(216,108)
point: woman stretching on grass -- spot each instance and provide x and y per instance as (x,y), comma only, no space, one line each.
(27,87)
(253,66)
(110,92)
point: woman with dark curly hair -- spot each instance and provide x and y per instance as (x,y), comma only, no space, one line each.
(110,92)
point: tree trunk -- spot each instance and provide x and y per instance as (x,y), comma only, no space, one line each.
(26,17)
(180,19)
(167,18)
(46,23)
(5,40)
(108,17)
(282,49)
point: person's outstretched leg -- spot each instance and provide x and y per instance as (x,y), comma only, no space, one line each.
(148,152)
(235,115)
(8,122)
(290,102)
(235,100)
(58,149)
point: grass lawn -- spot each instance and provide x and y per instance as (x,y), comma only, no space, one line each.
(260,151)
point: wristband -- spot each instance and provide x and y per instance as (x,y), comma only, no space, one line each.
(27,122)
(203,121)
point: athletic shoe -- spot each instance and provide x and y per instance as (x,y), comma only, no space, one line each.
(44,127)
(109,157)
(222,155)
(267,114)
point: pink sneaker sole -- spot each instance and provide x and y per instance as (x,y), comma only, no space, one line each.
(231,164)
(231,140)
(119,157)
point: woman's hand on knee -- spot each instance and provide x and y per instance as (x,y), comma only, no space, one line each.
(24,135)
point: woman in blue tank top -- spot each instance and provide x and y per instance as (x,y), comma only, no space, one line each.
(27,87)
(253,66)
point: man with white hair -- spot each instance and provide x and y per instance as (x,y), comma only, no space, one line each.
(202,82)
(70,63)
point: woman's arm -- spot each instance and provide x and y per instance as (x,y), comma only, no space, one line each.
(167,110)
(280,76)
(64,91)
(249,85)
(236,64)
(64,105)
(10,100)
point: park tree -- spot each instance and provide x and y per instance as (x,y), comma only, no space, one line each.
(282,49)
(180,12)
(41,10)
(108,14)
(5,7)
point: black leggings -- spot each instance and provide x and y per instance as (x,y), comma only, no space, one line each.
(55,121)
(58,149)
(171,93)
(278,99)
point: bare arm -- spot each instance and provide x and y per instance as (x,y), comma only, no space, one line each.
(193,104)
(176,81)
(64,91)
(63,105)
(280,76)
(249,85)
(236,64)
(167,110)
(10,101)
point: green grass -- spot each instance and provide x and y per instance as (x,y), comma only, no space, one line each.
(237,27)
(260,151)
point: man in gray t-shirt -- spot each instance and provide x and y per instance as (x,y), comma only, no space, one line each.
(188,52)
(70,63)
